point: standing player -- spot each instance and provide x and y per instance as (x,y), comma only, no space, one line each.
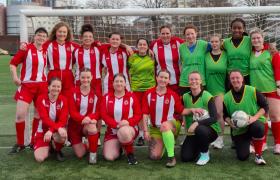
(166,51)
(246,98)
(121,113)
(60,49)
(199,133)
(88,56)
(238,48)
(142,75)
(84,115)
(192,55)
(32,83)
(265,77)
(160,104)
(216,72)
(114,60)
(53,111)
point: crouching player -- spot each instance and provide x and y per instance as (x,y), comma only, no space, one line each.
(53,112)
(84,114)
(121,112)
(160,104)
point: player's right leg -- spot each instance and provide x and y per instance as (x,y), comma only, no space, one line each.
(41,148)
(156,145)
(21,113)
(111,149)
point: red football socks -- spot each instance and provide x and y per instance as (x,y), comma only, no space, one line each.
(35,124)
(93,142)
(20,126)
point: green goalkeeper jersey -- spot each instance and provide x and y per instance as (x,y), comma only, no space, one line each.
(142,72)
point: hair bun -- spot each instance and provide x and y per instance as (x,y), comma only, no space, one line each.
(86,28)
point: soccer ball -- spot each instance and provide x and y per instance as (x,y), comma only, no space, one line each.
(240,119)
(197,117)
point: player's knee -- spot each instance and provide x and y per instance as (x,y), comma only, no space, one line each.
(20,116)
(111,157)
(165,127)
(124,135)
(242,157)
(155,156)
(201,131)
(40,159)
(91,129)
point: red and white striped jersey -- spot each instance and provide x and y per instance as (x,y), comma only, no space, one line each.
(116,109)
(115,63)
(167,57)
(53,115)
(60,56)
(89,58)
(81,105)
(161,108)
(34,63)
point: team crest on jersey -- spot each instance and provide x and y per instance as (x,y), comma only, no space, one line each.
(80,52)
(153,99)
(58,106)
(174,46)
(34,54)
(110,102)
(125,102)
(91,100)
(166,101)
(119,56)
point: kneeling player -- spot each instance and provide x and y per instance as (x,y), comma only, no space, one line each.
(84,114)
(53,112)
(201,131)
(160,104)
(121,113)
(247,99)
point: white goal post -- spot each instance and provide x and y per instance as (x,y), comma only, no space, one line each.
(139,12)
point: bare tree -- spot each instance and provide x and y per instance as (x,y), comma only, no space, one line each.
(106,24)
(260,20)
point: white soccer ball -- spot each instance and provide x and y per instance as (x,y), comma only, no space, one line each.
(198,117)
(240,119)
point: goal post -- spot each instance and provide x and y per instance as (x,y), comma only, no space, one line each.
(209,11)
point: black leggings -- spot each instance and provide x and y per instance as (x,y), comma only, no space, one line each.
(242,142)
(197,143)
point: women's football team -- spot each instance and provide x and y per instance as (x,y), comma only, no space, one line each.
(147,94)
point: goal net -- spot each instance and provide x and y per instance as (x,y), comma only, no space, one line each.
(147,22)
(136,23)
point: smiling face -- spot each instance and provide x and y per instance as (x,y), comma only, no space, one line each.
(119,84)
(163,79)
(215,42)
(61,34)
(142,46)
(195,81)
(115,40)
(236,80)
(85,78)
(190,35)
(257,40)
(40,38)
(237,29)
(87,38)
(54,88)
(165,35)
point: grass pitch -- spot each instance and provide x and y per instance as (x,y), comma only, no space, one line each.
(223,164)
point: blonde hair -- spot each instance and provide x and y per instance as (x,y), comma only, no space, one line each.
(256,31)
(56,27)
